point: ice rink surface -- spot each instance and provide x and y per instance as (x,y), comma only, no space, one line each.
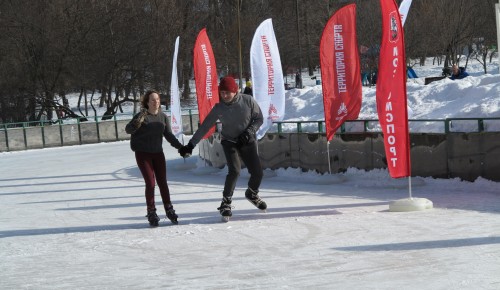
(73,218)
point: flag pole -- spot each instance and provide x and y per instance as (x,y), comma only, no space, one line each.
(409,186)
(239,45)
(205,154)
(391,99)
(328,155)
(182,138)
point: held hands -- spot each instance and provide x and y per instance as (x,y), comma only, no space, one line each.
(187,150)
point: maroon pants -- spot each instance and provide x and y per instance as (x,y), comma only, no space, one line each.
(153,166)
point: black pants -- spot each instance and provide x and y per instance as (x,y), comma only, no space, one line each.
(247,153)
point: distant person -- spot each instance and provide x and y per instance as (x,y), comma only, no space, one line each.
(147,129)
(373,78)
(248,88)
(241,117)
(364,79)
(298,80)
(458,73)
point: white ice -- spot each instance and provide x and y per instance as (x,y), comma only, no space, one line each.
(73,218)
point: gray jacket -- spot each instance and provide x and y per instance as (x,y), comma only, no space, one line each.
(242,114)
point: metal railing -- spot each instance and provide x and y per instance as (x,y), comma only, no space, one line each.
(372,125)
(115,131)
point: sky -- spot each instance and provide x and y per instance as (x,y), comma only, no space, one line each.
(74,217)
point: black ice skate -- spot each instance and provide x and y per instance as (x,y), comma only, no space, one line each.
(225,209)
(153,217)
(171,214)
(254,198)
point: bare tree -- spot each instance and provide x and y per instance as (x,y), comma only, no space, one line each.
(114,50)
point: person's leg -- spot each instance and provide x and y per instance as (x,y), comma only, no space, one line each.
(233,172)
(160,169)
(145,164)
(233,167)
(250,157)
(160,172)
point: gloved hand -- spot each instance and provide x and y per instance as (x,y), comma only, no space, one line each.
(187,150)
(140,119)
(245,138)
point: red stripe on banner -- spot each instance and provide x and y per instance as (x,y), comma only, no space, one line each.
(340,69)
(391,92)
(205,76)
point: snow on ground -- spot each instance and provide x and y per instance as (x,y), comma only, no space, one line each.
(476,96)
(73,217)
(473,97)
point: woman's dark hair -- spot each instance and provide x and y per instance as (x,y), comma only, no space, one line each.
(145,98)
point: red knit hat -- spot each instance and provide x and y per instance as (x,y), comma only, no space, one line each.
(228,84)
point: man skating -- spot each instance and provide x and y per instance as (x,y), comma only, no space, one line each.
(240,117)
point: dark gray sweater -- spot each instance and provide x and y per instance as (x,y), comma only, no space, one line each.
(149,136)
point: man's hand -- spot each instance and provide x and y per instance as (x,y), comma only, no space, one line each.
(187,150)
(245,138)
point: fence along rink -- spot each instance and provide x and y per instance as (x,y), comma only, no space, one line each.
(36,135)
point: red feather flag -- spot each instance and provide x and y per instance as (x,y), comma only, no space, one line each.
(205,76)
(391,92)
(340,69)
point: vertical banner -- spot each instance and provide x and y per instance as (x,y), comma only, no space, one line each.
(340,69)
(205,76)
(175,103)
(403,10)
(391,92)
(267,75)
